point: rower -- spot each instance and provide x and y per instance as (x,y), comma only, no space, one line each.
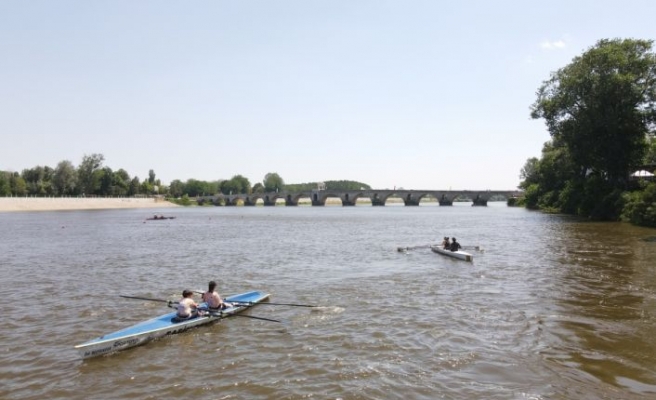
(445,243)
(213,299)
(187,307)
(455,246)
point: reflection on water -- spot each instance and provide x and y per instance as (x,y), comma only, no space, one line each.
(607,302)
(551,308)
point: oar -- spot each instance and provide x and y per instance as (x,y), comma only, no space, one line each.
(470,247)
(402,249)
(226,315)
(250,316)
(250,303)
(201,292)
(169,302)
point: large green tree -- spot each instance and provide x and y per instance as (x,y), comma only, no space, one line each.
(146,187)
(194,188)
(135,187)
(106,182)
(258,188)
(601,107)
(177,188)
(5,188)
(273,183)
(87,171)
(121,182)
(236,185)
(38,180)
(599,110)
(17,184)
(64,179)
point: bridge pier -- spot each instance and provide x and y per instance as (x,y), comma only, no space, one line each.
(479,201)
(289,201)
(268,202)
(315,201)
(445,201)
(346,200)
(410,201)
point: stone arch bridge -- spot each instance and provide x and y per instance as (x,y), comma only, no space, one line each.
(350,197)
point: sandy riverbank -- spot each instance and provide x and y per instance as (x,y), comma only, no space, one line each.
(55,204)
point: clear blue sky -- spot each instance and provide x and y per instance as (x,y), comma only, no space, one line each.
(412,94)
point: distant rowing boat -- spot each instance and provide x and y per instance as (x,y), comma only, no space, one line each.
(163,325)
(158,218)
(460,255)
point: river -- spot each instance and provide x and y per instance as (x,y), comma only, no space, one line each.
(550,308)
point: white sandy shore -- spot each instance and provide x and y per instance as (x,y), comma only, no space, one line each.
(55,203)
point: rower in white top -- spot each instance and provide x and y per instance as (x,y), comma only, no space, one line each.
(213,299)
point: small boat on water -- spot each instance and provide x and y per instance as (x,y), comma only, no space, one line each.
(157,218)
(167,324)
(460,255)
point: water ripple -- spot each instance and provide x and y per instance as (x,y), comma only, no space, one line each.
(552,308)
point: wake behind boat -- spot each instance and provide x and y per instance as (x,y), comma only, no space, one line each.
(459,254)
(167,324)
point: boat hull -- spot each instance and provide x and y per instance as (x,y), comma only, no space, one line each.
(460,255)
(158,327)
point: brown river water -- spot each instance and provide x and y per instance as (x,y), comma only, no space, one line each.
(550,308)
